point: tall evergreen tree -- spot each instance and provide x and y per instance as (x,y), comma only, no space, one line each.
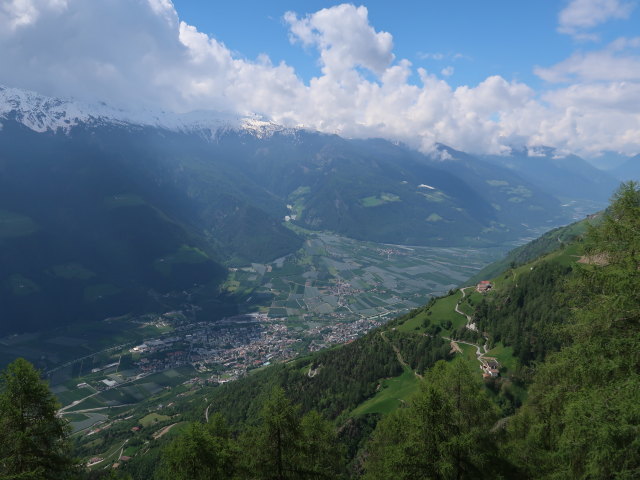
(443,434)
(33,440)
(286,446)
(323,455)
(202,452)
(582,417)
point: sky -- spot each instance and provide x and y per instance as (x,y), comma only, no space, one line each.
(479,76)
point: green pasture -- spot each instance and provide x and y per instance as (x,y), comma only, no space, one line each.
(441,312)
(152,419)
(72,271)
(185,254)
(375,200)
(393,393)
(15,225)
(123,200)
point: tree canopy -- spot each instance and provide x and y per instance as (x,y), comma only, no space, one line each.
(582,417)
(444,433)
(33,440)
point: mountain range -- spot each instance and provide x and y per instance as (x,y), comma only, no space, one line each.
(105,211)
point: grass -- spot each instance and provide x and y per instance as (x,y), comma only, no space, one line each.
(70,396)
(76,417)
(98,291)
(110,456)
(123,200)
(469,352)
(504,355)
(71,271)
(130,451)
(374,201)
(277,312)
(441,312)
(15,225)
(91,402)
(466,308)
(432,196)
(472,299)
(152,419)
(567,256)
(185,254)
(94,443)
(21,285)
(393,393)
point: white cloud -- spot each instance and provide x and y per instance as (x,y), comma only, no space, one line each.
(431,56)
(619,61)
(581,15)
(139,53)
(344,38)
(15,14)
(447,71)
(441,56)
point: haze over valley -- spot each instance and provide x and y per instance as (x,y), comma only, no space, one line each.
(360,221)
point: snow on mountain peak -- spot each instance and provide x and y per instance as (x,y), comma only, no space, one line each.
(41,114)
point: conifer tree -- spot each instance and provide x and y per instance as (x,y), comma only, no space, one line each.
(33,439)
(287,446)
(202,452)
(443,434)
(582,417)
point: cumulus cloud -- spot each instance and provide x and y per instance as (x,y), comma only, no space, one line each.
(581,15)
(136,53)
(619,61)
(344,38)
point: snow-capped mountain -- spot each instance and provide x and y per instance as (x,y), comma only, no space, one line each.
(41,113)
(119,211)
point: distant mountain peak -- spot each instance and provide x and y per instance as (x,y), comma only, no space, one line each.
(41,113)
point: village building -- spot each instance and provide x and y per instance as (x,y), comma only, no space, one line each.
(484,286)
(490,367)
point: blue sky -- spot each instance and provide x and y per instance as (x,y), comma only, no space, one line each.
(478,76)
(497,37)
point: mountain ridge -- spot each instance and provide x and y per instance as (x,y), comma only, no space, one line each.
(42,113)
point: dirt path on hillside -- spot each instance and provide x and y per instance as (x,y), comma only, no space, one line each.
(470,325)
(160,433)
(481,351)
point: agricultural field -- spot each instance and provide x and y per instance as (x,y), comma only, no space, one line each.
(336,279)
(330,291)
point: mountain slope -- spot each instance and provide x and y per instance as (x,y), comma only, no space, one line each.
(629,170)
(568,177)
(359,383)
(106,212)
(517,199)
(81,239)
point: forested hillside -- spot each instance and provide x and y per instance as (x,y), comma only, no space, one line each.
(408,400)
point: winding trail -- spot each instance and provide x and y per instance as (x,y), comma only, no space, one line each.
(163,431)
(121,447)
(470,325)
